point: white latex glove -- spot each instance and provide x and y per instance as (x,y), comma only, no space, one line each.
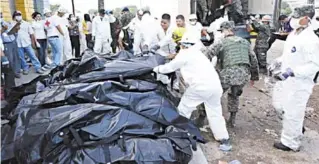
(156,69)
(222,6)
(257,16)
(252,18)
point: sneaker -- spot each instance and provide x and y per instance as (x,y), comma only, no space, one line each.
(47,66)
(25,72)
(225,145)
(39,71)
(280,146)
(43,69)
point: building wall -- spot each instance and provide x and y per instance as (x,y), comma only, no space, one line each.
(6,9)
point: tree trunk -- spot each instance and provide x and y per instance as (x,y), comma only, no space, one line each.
(101,4)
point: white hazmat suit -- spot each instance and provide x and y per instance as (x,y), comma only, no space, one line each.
(291,96)
(101,31)
(145,33)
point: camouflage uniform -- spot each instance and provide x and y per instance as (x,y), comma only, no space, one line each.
(235,12)
(126,18)
(261,45)
(237,63)
(244,4)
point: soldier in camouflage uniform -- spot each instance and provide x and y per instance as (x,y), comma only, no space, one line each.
(126,17)
(261,45)
(237,64)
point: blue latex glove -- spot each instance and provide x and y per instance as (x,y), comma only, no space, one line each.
(285,75)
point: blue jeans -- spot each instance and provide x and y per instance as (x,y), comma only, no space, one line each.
(56,47)
(34,60)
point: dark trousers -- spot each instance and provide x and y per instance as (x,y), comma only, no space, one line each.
(11,51)
(8,80)
(75,43)
(274,37)
(42,54)
(88,38)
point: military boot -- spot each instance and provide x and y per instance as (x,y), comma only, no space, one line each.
(232,119)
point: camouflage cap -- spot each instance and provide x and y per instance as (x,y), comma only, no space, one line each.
(305,10)
(227,25)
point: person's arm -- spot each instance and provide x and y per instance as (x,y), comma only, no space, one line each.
(312,66)
(214,49)
(120,40)
(172,66)
(254,70)
(31,33)
(257,26)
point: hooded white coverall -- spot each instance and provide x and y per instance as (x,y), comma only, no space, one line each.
(291,96)
(65,39)
(145,33)
(195,29)
(101,30)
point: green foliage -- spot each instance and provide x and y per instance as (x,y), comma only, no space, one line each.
(285,8)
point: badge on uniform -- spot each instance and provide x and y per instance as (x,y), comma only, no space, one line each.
(293,50)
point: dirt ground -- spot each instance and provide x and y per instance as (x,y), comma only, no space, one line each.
(258,126)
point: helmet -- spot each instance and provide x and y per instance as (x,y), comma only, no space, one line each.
(46,10)
(62,10)
(192,16)
(266,18)
(227,25)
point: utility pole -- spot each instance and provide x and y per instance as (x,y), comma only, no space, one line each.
(73,9)
(276,14)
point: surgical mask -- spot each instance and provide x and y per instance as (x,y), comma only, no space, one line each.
(18,18)
(73,19)
(294,23)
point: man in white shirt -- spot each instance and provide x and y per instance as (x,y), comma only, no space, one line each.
(65,39)
(101,33)
(24,40)
(53,30)
(194,26)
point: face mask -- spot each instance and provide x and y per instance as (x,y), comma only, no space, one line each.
(73,19)
(193,23)
(18,18)
(294,23)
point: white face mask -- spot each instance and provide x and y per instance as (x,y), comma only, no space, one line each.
(193,23)
(294,23)
(18,18)
(73,19)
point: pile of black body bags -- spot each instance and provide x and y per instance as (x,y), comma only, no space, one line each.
(97,109)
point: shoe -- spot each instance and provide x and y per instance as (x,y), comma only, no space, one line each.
(46,67)
(280,146)
(25,72)
(43,69)
(39,71)
(225,145)
(17,75)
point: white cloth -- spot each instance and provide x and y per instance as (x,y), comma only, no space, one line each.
(50,25)
(204,87)
(166,42)
(38,27)
(101,30)
(135,22)
(65,39)
(24,38)
(146,33)
(291,96)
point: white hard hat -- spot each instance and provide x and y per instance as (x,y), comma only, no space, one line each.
(192,16)
(46,10)
(189,38)
(266,18)
(62,10)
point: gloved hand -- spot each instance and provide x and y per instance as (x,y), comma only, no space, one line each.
(274,68)
(4,61)
(155,47)
(285,75)
(252,18)
(156,69)
(222,7)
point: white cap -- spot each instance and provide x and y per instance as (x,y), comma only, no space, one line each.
(266,18)
(46,10)
(62,10)
(140,12)
(192,16)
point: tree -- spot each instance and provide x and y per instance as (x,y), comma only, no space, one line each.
(54,8)
(285,8)
(92,11)
(101,4)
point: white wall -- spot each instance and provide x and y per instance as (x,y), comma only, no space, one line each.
(261,7)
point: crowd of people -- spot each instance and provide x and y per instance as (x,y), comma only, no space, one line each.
(194,64)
